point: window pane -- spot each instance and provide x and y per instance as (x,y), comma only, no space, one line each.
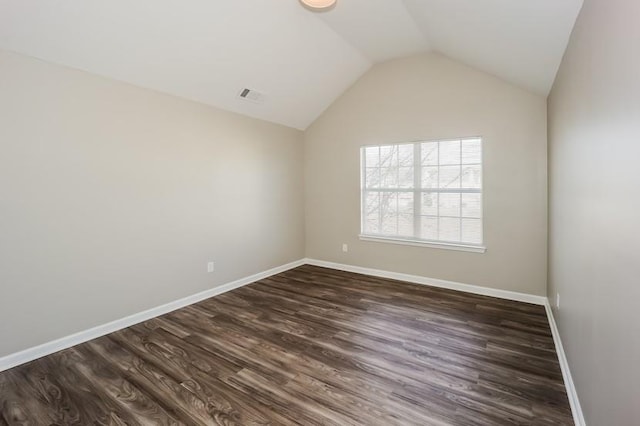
(405,203)
(429,203)
(405,155)
(406,177)
(449,152)
(372,177)
(472,231)
(471,176)
(429,228)
(449,229)
(429,177)
(372,202)
(388,202)
(449,205)
(430,154)
(371,224)
(472,205)
(389,156)
(449,177)
(471,151)
(372,156)
(405,225)
(389,177)
(389,212)
(389,225)
(371,213)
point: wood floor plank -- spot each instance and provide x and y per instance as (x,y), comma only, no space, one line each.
(123,384)
(310,346)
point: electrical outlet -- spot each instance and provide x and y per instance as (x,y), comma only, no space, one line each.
(558,300)
(345,248)
(210,267)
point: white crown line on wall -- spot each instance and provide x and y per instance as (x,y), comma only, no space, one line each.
(48,348)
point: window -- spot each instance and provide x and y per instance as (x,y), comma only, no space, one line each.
(427,193)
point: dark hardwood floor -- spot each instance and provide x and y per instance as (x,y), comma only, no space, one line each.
(310,346)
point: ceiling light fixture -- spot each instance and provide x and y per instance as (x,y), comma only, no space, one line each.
(318,5)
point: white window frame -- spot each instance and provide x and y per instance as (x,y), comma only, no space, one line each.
(417,191)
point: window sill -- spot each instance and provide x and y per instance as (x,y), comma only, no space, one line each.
(444,246)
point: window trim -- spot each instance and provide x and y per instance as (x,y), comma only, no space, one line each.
(423,243)
(401,240)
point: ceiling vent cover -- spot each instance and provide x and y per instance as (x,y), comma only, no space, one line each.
(251,96)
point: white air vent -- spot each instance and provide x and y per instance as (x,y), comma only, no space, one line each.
(251,96)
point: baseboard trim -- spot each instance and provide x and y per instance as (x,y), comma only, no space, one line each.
(27,355)
(433,282)
(30,354)
(574,402)
(576,409)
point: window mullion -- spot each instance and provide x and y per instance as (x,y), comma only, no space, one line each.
(460,195)
(379,193)
(417,189)
(438,197)
(363,189)
(397,167)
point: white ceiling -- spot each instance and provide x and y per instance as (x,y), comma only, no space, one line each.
(208,50)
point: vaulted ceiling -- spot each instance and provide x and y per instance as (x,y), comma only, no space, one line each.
(301,61)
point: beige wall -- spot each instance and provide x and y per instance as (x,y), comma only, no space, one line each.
(113,199)
(431,97)
(594,262)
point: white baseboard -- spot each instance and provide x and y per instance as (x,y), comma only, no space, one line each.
(433,282)
(48,348)
(576,409)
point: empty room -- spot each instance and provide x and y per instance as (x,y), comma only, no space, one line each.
(320,212)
